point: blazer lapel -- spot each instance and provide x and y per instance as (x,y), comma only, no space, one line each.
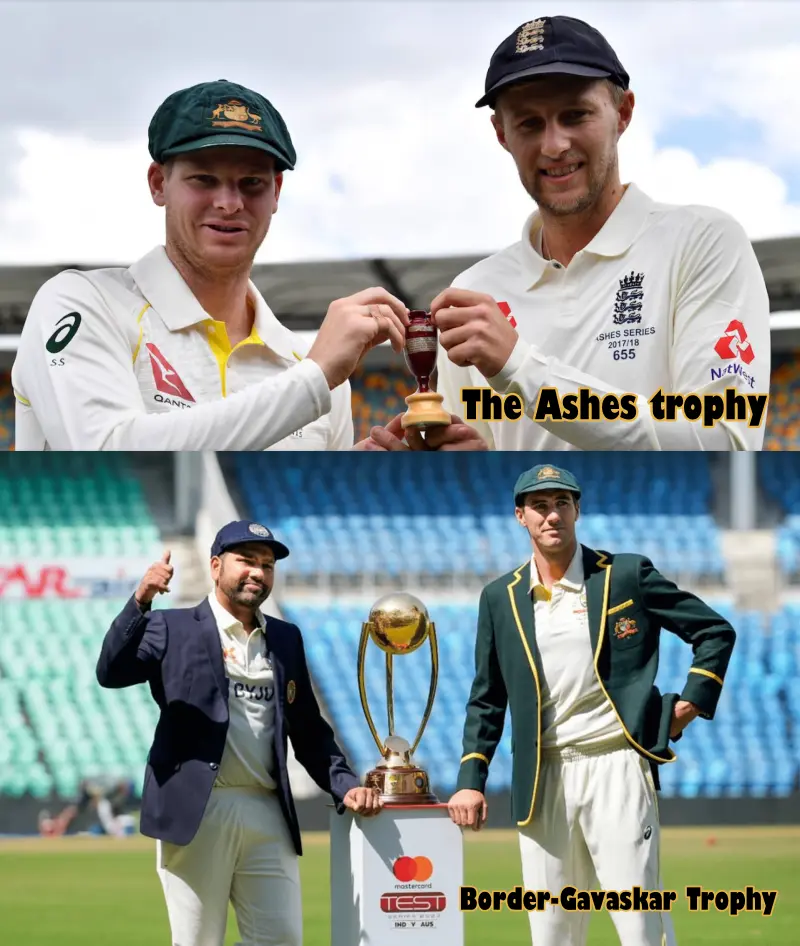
(597,575)
(210,634)
(275,649)
(519,593)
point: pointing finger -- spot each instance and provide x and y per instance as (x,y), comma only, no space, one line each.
(166,556)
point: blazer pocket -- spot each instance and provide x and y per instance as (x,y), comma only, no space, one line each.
(620,607)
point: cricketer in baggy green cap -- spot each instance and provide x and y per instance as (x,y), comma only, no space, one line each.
(544,476)
(213,114)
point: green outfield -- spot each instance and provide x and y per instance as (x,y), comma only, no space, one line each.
(98,892)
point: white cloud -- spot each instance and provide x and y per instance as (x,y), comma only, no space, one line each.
(402,164)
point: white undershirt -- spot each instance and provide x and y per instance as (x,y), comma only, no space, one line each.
(575,711)
(248,756)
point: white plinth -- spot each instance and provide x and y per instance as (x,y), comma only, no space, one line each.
(370,904)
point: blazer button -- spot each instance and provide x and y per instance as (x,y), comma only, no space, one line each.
(178,767)
(213,765)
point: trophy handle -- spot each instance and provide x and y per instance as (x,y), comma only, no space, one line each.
(390,692)
(432,690)
(362,686)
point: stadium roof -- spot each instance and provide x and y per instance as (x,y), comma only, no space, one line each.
(299,293)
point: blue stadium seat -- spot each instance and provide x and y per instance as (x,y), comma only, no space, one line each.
(752,747)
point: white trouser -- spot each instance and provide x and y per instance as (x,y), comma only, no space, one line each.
(242,853)
(595,826)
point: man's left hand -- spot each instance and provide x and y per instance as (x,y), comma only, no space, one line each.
(363,801)
(682,715)
(473,330)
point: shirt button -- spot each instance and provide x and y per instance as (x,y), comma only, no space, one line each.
(556,265)
(213,766)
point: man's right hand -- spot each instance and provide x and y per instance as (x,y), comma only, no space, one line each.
(468,808)
(353,326)
(156,580)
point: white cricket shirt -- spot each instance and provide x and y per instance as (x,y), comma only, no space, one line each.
(248,757)
(127,359)
(664,296)
(575,711)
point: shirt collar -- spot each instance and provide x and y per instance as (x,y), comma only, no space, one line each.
(225,620)
(573,577)
(164,288)
(614,238)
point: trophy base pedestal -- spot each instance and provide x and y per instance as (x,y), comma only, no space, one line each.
(401,785)
(391,872)
(425,410)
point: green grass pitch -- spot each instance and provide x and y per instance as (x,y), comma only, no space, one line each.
(97,892)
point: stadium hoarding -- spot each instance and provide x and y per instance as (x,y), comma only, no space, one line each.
(78,577)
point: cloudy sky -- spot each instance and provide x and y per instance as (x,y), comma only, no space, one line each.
(393,157)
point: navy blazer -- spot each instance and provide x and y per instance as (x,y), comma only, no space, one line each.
(179,654)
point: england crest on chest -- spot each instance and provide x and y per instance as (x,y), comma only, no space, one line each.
(629,300)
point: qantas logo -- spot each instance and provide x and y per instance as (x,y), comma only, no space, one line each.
(505,308)
(166,377)
(734,343)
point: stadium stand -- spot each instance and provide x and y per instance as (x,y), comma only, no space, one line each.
(780,479)
(56,724)
(783,419)
(377,397)
(757,727)
(443,518)
(336,515)
(357,517)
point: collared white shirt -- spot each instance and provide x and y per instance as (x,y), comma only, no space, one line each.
(248,757)
(575,711)
(664,296)
(127,359)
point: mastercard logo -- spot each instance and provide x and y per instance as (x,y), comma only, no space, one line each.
(406,869)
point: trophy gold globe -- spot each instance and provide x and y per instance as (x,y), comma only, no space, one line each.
(398,624)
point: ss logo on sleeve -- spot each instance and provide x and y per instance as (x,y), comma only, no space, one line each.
(68,325)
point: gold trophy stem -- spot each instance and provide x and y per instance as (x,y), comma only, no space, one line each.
(390,693)
(362,687)
(432,690)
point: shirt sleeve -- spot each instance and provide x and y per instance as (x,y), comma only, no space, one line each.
(450,381)
(85,395)
(342,429)
(721,318)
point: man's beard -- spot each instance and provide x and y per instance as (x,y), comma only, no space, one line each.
(246,599)
(577,205)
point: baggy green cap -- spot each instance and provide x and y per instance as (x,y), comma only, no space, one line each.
(213,114)
(544,476)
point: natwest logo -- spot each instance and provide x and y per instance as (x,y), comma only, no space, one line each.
(734,343)
(410,902)
(167,379)
(406,869)
(505,308)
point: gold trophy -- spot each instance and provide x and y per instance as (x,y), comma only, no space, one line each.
(424,406)
(398,623)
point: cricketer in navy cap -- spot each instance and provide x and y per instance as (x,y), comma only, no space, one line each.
(560,45)
(243,531)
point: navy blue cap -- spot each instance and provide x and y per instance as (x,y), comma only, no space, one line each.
(552,45)
(238,533)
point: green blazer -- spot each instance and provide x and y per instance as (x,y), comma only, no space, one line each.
(628,602)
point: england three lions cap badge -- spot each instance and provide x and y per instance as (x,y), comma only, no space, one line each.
(291,691)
